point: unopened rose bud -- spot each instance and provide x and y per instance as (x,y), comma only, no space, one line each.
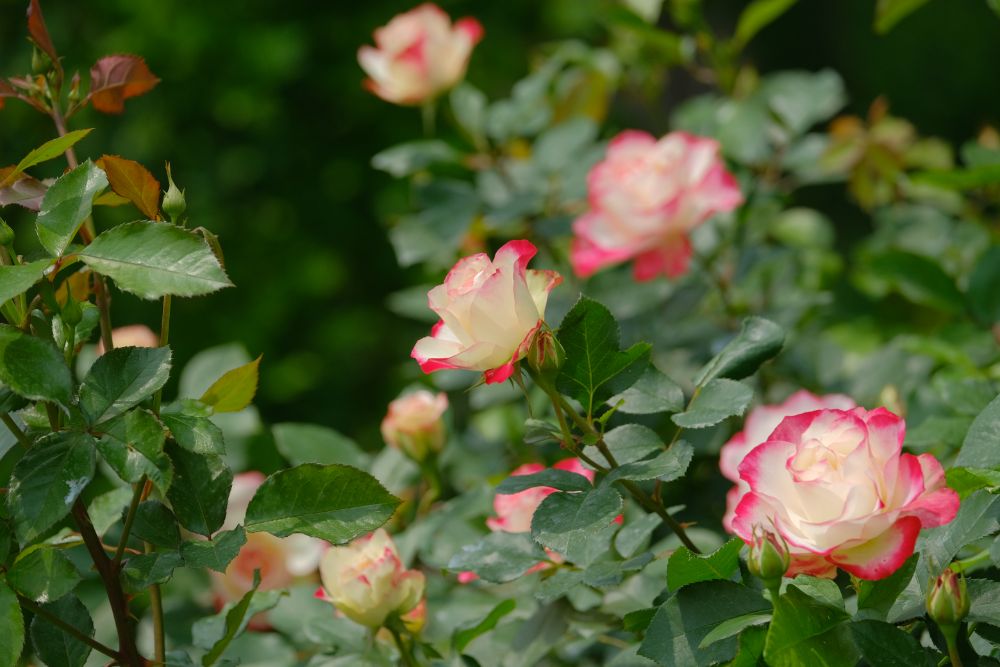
(413,423)
(174,203)
(948,600)
(40,61)
(367,582)
(769,558)
(546,355)
(6,233)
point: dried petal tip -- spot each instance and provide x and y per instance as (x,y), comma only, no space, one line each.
(947,599)
(769,558)
(174,203)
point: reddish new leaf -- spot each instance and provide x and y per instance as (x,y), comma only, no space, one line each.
(40,34)
(6,90)
(24,190)
(131,180)
(114,79)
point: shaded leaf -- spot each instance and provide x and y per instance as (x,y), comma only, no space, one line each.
(718,400)
(43,574)
(66,204)
(199,493)
(685,568)
(805,631)
(413,156)
(236,621)
(652,393)
(564,518)
(982,294)
(665,466)
(18,279)
(216,553)
(49,150)
(312,443)
(33,368)
(734,626)
(133,446)
(979,450)
(54,646)
(890,12)
(757,16)
(885,645)
(144,570)
(114,79)
(758,340)
(121,379)
(463,638)
(336,503)
(133,181)
(879,596)
(156,524)
(498,557)
(11,626)
(234,390)
(106,509)
(555,478)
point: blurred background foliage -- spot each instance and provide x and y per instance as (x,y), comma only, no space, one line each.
(262,115)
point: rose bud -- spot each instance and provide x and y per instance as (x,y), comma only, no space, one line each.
(759,424)
(490,312)
(546,354)
(281,560)
(133,335)
(418,55)
(769,559)
(367,582)
(947,599)
(413,423)
(645,198)
(838,489)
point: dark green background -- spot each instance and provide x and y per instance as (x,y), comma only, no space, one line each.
(262,114)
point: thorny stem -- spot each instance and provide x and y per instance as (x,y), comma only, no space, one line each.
(129,520)
(70,630)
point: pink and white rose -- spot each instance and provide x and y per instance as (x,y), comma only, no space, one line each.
(759,424)
(281,560)
(418,55)
(133,335)
(837,487)
(413,423)
(490,312)
(645,198)
(367,582)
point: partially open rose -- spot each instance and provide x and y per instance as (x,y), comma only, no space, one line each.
(645,197)
(759,424)
(490,312)
(837,487)
(419,55)
(413,423)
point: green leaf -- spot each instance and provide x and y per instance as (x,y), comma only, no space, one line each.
(236,621)
(468,105)
(808,633)
(498,557)
(564,480)
(153,259)
(757,341)
(311,443)
(54,646)
(67,203)
(758,15)
(11,626)
(632,442)
(982,294)
(984,600)
(558,584)
(156,524)
(462,638)
(751,647)
(734,626)
(801,99)
(121,379)
(978,516)
(47,480)
(682,622)
(413,156)
(652,393)
(970,178)
(979,449)
(192,431)
(336,503)
(879,596)
(15,280)
(665,466)
(890,12)
(919,279)
(966,480)
(566,518)
(448,209)
(559,146)
(635,533)
(685,568)
(718,400)
(885,645)
(144,570)
(43,574)
(595,366)
(216,553)
(132,444)
(234,390)
(106,509)
(199,493)
(33,368)
(48,151)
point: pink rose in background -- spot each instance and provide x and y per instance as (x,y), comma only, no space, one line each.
(367,582)
(837,487)
(133,335)
(419,55)
(280,560)
(413,423)
(759,424)
(645,197)
(490,312)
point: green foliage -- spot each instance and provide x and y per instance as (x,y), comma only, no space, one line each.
(686,568)
(156,524)
(807,631)
(43,574)
(192,430)
(215,553)
(144,570)
(33,368)
(566,519)
(15,280)
(234,390)
(332,502)
(121,379)
(665,466)
(11,626)
(311,443)
(50,150)
(67,205)
(56,647)
(718,400)
(200,489)
(462,638)
(132,444)
(498,557)
(652,393)
(757,341)
(563,480)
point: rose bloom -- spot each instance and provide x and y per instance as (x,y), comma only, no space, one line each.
(645,197)
(413,423)
(490,312)
(281,560)
(133,335)
(514,511)
(419,55)
(759,424)
(837,487)
(367,582)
